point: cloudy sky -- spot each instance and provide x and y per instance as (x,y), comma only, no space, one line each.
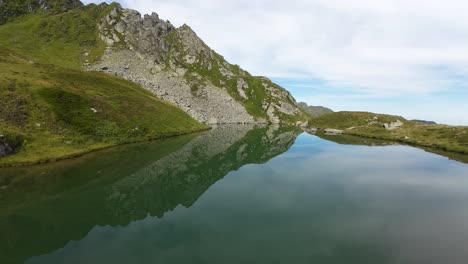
(401,57)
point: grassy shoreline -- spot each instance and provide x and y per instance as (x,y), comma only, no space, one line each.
(411,142)
(80,153)
(348,139)
(370,125)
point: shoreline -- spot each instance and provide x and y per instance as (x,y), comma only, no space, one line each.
(461,156)
(93,150)
(410,142)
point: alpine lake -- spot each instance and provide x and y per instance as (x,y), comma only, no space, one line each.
(240,194)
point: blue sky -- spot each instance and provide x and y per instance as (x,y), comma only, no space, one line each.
(400,57)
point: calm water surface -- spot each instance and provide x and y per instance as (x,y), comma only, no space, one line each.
(239,195)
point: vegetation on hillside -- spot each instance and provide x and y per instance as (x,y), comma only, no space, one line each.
(364,124)
(49,107)
(49,112)
(10,9)
(67,39)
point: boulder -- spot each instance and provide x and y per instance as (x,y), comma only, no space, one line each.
(331,131)
(393,125)
(5,148)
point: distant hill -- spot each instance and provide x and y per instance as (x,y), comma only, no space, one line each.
(396,128)
(314,111)
(424,122)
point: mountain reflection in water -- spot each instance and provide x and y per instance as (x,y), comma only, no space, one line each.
(44,207)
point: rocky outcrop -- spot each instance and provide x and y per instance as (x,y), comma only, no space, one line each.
(311,130)
(331,131)
(5,148)
(208,104)
(177,66)
(393,125)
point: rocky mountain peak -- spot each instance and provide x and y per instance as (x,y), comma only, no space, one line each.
(193,44)
(128,28)
(179,67)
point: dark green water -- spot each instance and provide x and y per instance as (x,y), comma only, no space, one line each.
(239,195)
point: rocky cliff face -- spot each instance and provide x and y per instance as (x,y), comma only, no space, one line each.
(177,66)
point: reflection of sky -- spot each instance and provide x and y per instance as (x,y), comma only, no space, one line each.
(320,201)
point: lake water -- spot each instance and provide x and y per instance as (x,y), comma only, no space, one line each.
(238,194)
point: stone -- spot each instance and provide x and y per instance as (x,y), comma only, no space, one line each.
(331,131)
(241,86)
(120,27)
(5,148)
(393,125)
(114,12)
(310,130)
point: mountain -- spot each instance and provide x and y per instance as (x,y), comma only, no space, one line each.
(424,122)
(75,78)
(177,66)
(314,111)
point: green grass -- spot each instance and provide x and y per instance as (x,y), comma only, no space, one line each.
(344,120)
(49,111)
(443,137)
(67,39)
(11,9)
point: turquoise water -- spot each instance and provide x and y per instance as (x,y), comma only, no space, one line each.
(238,195)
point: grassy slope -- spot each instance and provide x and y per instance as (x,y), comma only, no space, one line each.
(46,100)
(449,138)
(62,39)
